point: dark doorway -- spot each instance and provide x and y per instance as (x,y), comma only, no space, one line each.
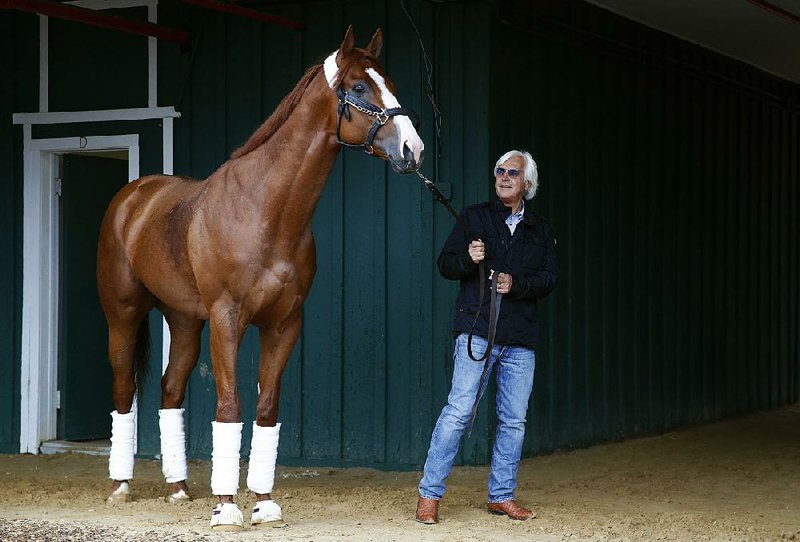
(87,184)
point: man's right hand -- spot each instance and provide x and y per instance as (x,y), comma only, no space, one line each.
(477,251)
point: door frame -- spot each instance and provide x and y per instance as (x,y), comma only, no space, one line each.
(40,281)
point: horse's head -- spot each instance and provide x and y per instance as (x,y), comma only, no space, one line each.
(369,116)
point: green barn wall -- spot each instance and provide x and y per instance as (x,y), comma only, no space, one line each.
(669,174)
(9,332)
(18,39)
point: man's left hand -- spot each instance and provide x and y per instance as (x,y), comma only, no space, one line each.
(504,281)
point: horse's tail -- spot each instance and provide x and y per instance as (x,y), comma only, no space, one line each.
(141,352)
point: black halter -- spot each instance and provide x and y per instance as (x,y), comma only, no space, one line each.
(381,117)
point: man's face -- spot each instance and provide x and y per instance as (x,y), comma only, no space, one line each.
(509,180)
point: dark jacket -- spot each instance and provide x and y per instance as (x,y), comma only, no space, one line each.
(529,256)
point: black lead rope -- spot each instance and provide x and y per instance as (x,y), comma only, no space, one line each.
(437,115)
(494,302)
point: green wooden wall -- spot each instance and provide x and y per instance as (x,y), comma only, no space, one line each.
(669,174)
(9,261)
(17,93)
(671,177)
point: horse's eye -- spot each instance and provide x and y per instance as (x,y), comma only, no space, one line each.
(359,89)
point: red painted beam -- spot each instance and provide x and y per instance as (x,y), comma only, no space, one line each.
(777,10)
(247,12)
(98,18)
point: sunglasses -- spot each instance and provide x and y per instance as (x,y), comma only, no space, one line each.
(499,172)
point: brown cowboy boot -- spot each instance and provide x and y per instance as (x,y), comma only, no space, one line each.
(427,511)
(510,509)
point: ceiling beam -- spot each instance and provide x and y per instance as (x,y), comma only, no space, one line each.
(98,18)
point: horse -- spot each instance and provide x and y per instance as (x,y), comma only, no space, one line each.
(236,250)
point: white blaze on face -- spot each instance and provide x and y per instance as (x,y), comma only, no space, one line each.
(407,134)
(331,68)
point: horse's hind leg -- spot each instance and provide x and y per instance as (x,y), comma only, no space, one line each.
(126,304)
(184,350)
(125,336)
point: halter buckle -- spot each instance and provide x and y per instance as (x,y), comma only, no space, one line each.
(382,117)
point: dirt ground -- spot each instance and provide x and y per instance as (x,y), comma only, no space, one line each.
(730,480)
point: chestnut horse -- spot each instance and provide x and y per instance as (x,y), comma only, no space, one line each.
(234,250)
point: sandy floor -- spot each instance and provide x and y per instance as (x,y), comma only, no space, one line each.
(731,480)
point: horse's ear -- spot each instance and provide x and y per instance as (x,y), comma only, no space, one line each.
(375,46)
(347,43)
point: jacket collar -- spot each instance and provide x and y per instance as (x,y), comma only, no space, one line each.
(498,207)
(527,218)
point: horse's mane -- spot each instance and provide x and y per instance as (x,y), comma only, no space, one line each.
(279,116)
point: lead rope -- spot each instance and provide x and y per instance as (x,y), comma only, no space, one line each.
(437,115)
(494,303)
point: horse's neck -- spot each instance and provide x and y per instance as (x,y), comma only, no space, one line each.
(282,180)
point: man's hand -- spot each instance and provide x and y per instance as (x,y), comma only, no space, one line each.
(477,251)
(504,281)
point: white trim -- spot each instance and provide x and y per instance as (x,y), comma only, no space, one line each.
(152,47)
(168,146)
(100,115)
(40,276)
(44,56)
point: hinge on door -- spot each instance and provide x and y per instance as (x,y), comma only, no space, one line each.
(58,399)
(58,187)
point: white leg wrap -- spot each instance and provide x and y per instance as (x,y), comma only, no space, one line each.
(173,445)
(263,454)
(123,432)
(227,442)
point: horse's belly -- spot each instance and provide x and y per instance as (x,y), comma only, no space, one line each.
(172,290)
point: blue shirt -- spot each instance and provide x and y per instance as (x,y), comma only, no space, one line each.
(516,218)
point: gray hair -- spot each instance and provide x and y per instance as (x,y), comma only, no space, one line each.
(531,172)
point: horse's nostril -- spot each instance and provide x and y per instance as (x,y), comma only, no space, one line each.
(408,154)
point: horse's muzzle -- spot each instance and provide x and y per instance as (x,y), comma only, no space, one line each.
(407,164)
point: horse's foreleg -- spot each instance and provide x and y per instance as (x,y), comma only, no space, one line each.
(183,353)
(275,348)
(226,329)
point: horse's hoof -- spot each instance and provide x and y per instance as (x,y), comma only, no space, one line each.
(120,495)
(227,517)
(178,497)
(266,512)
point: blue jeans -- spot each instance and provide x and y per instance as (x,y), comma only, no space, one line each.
(515,366)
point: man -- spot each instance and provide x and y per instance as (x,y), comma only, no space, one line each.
(520,247)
